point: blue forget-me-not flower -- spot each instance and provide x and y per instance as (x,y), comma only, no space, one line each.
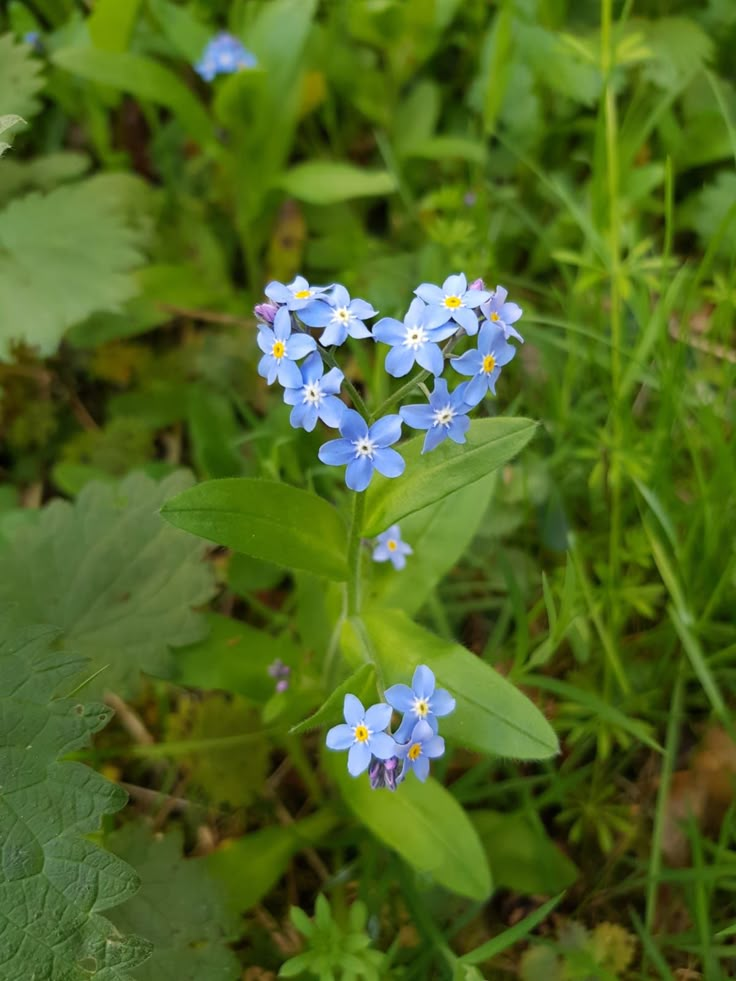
(281,349)
(224,55)
(364,449)
(446,415)
(339,315)
(363,734)
(452,302)
(502,313)
(295,296)
(484,363)
(422,747)
(316,398)
(389,547)
(411,342)
(420,703)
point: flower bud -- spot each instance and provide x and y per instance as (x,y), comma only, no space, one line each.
(382,773)
(266,311)
(477,284)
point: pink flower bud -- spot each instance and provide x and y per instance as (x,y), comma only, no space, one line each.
(477,284)
(266,311)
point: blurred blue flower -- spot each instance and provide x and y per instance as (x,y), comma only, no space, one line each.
(33,40)
(223,55)
(411,342)
(316,398)
(339,315)
(281,349)
(296,295)
(421,702)
(446,415)
(390,548)
(362,734)
(502,313)
(364,449)
(422,747)
(453,302)
(484,362)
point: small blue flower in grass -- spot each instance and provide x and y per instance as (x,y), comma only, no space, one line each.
(411,342)
(453,302)
(445,416)
(420,703)
(364,449)
(363,734)
(390,548)
(316,398)
(224,55)
(502,313)
(280,349)
(339,315)
(485,362)
(295,296)
(422,747)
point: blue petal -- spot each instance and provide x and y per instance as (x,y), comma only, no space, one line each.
(388,462)
(383,746)
(468,364)
(309,417)
(288,374)
(455,285)
(359,473)
(317,313)
(268,368)
(404,731)
(378,717)
(434,747)
(467,320)
(332,381)
(446,329)
(430,357)
(336,452)
(398,560)
(430,293)
(490,333)
(422,731)
(293,396)
(442,702)
(438,398)
(299,345)
(386,431)
(401,697)
(435,436)
(312,368)
(265,340)
(499,297)
(476,390)
(340,737)
(353,425)
(437,317)
(510,313)
(353,710)
(381,553)
(278,292)
(362,309)
(359,759)
(282,324)
(390,331)
(399,361)
(415,314)
(357,329)
(334,333)
(423,681)
(421,768)
(296,418)
(458,428)
(331,411)
(474,298)
(340,296)
(417,416)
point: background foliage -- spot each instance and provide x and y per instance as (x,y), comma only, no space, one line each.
(583,155)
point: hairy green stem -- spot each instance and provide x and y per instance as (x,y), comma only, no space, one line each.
(354,554)
(412,384)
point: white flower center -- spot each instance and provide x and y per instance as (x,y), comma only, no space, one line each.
(444,416)
(313,393)
(421,707)
(364,447)
(342,314)
(415,337)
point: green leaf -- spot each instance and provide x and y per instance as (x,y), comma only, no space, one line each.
(492,715)
(490,444)
(111,23)
(250,866)
(266,519)
(214,433)
(522,856)
(117,581)
(448,148)
(54,881)
(141,77)
(81,263)
(323,182)
(439,534)
(20,78)
(359,683)
(423,823)
(5,123)
(178,906)
(512,936)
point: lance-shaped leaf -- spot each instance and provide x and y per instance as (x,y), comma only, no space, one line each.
(117,580)
(54,882)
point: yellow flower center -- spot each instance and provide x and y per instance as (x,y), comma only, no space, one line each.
(421,707)
(302,295)
(489,363)
(361,734)
(495,316)
(453,302)
(279,349)
(415,751)
(391,545)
